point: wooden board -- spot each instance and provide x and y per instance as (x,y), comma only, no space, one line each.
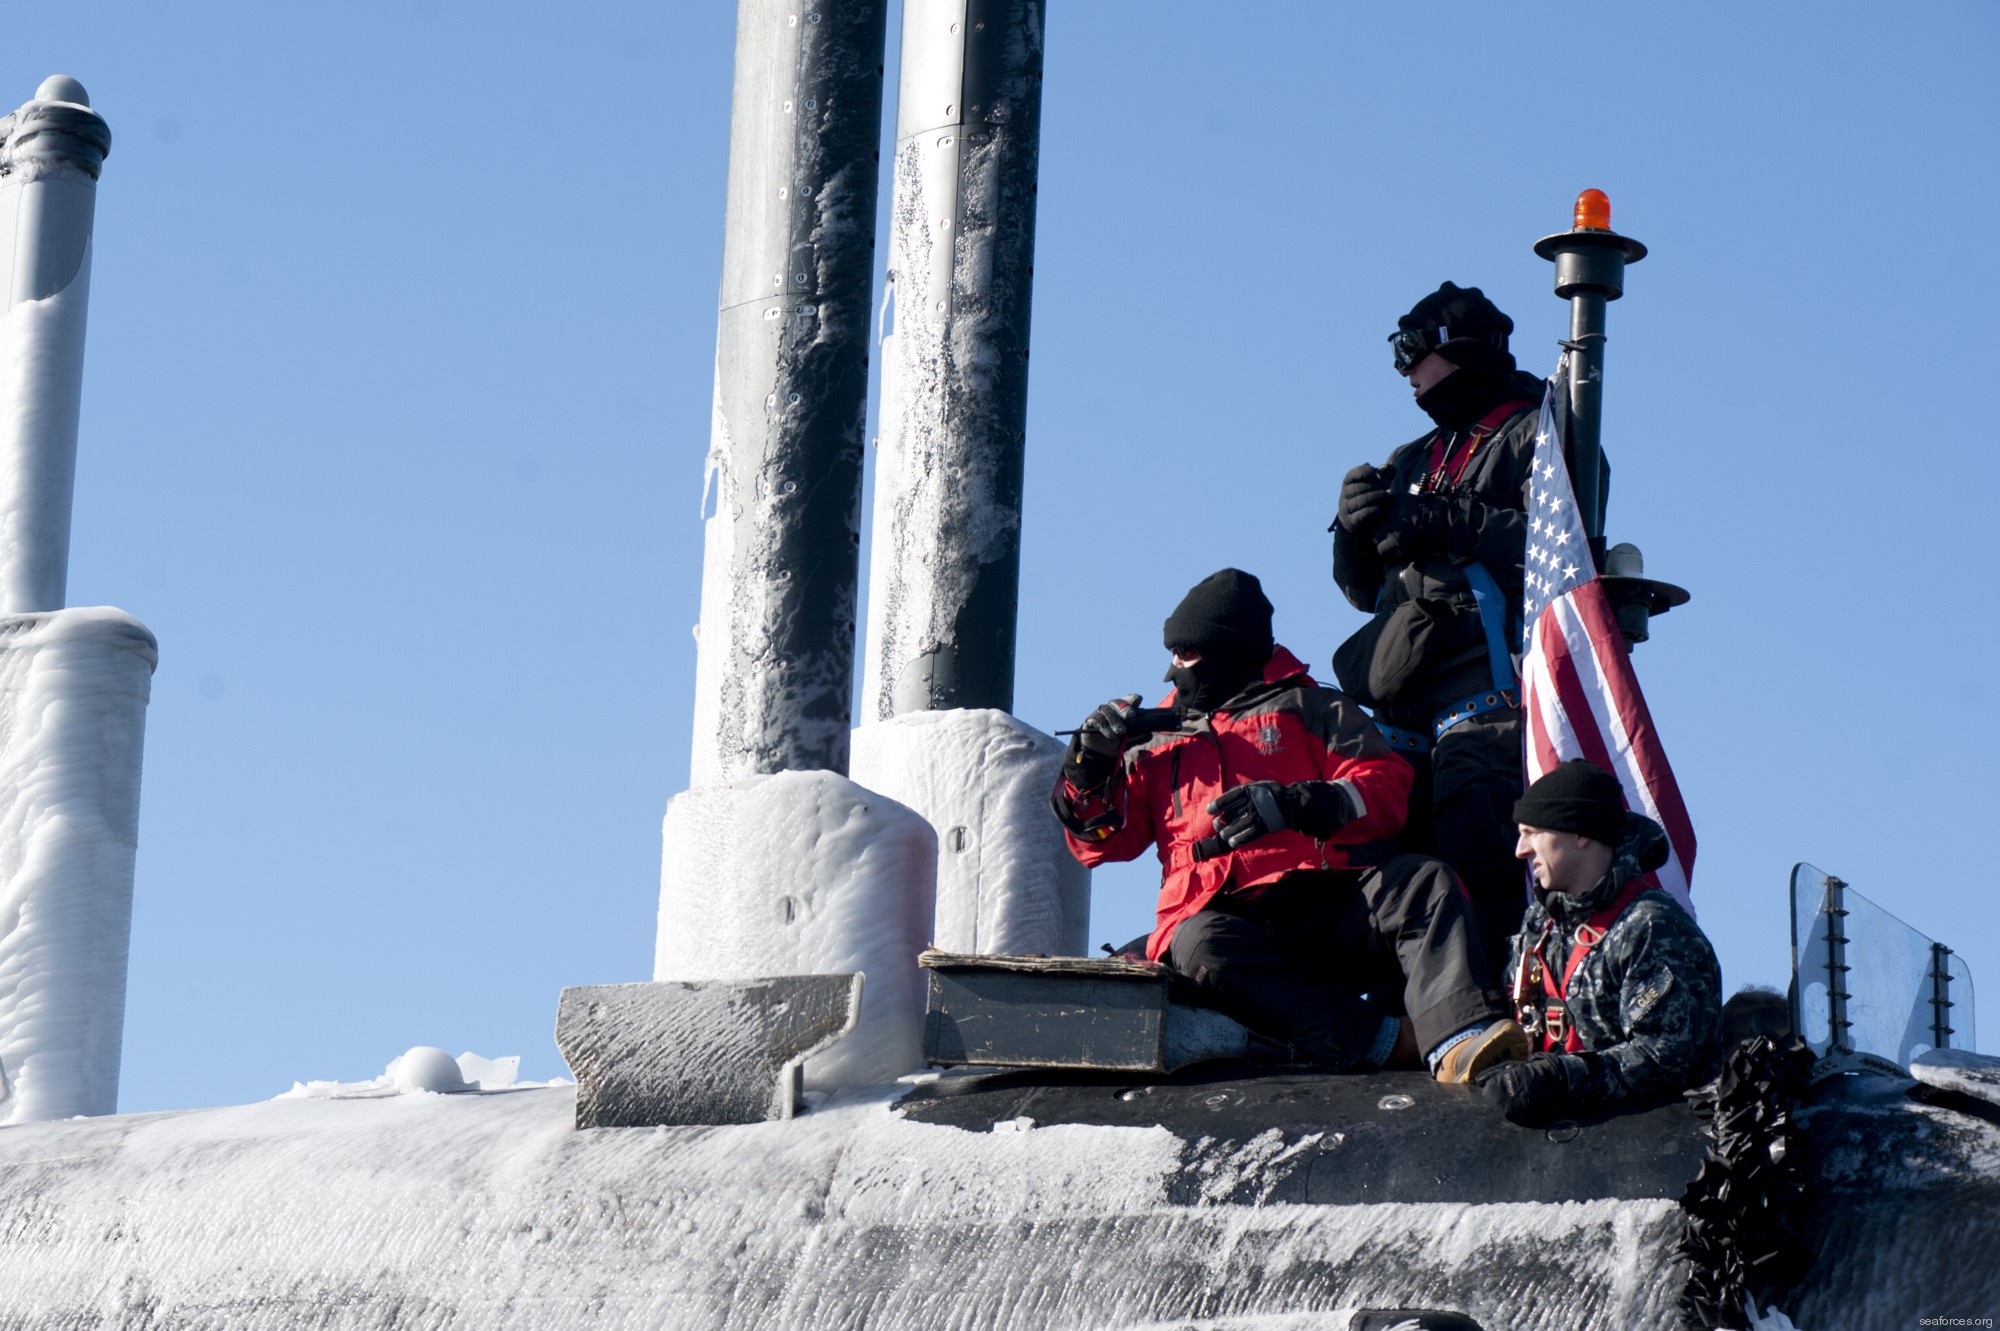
(1067,1012)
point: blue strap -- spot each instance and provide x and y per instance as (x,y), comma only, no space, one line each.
(1401,740)
(1493,618)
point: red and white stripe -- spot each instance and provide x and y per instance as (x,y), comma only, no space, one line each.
(1581,700)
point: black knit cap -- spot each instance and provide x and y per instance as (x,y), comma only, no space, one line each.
(1578,797)
(1227,614)
(1476,331)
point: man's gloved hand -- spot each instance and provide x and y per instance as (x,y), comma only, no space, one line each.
(1533,1092)
(1242,814)
(1365,499)
(1428,524)
(1104,730)
(1094,750)
(1319,808)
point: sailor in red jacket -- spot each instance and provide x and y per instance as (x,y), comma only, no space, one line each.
(1270,800)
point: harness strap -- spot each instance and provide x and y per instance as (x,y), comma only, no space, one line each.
(1496,618)
(1551,1022)
(1401,740)
(1477,705)
(1440,470)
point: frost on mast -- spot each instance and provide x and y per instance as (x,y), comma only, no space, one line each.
(74,683)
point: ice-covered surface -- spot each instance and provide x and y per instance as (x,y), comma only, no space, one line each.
(50,153)
(804,873)
(488,1210)
(1006,882)
(73,691)
(419,1069)
(944,563)
(780,563)
(684,1052)
(41,391)
(1959,1070)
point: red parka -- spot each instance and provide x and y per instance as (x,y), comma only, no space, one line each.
(1285,727)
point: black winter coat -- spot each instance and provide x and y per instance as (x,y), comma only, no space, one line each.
(1483,519)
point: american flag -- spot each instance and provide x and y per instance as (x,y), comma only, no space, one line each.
(1579,696)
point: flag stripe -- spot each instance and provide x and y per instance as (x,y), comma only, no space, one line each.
(1581,697)
(1541,749)
(1642,741)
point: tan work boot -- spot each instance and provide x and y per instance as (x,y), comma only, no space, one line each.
(1501,1042)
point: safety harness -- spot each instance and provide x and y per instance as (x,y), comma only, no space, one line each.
(1540,999)
(1494,616)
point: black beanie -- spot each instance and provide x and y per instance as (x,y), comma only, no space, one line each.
(1225,613)
(1475,330)
(1578,797)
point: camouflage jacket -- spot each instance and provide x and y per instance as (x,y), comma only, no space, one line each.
(1647,999)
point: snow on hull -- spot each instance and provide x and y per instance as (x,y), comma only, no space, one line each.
(73,691)
(804,873)
(1007,884)
(489,1211)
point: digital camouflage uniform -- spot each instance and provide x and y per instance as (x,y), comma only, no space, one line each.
(1646,1000)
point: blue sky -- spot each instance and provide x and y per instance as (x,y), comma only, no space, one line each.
(398,380)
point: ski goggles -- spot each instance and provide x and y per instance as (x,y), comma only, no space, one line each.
(1411,345)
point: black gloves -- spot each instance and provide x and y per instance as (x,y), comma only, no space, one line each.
(1533,1093)
(1103,731)
(1320,808)
(1365,499)
(1093,752)
(1246,812)
(1428,524)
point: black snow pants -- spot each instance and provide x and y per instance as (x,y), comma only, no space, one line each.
(1462,811)
(1323,955)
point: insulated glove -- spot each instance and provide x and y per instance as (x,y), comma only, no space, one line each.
(1429,524)
(1246,812)
(1364,498)
(1319,808)
(1533,1093)
(1094,749)
(1104,730)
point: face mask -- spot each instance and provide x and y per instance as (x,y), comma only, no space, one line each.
(1208,683)
(1461,398)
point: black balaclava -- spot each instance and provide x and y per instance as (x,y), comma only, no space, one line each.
(1476,342)
(1227,618)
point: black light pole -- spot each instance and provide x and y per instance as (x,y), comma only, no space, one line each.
(1590,261)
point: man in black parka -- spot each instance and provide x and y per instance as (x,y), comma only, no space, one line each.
(1418,545)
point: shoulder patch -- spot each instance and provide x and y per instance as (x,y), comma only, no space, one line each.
(1656,989)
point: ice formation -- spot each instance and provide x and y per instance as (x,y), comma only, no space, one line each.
(421,1069)
(944,566)
(490,1211)
(73,691)
(804,873)
(51,150)
(1006,882)
(780,568)
(41,388)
